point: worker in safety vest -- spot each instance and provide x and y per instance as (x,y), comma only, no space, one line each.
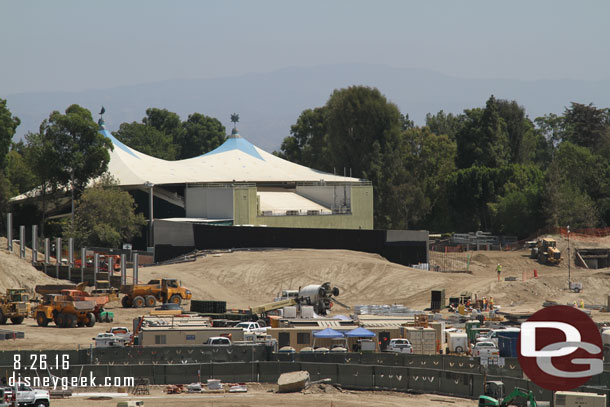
(484,304)
(491,302)
(499,270)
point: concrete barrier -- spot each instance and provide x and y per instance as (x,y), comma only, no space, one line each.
(268,372)
(319,371)
(424,361)
(424,380)
(460,364)
(185,374)
(356,376)
(458,384)
(391,378)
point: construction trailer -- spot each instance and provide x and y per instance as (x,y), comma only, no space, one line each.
(185,335)
(302,336)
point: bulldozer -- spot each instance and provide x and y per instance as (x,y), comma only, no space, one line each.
(146,295)
(65,312)
(546,251)
(14,306)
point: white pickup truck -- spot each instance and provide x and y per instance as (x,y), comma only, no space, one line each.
(399,345)
(253,327)
(26,396)
(485,350)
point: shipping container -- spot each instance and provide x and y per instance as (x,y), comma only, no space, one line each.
(575,399)
(507,343)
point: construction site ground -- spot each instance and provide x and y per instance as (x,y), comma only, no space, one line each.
(264,395)
(251,277)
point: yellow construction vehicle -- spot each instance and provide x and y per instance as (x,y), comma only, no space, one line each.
(64,312)
(146,295)
(14,305)
(546,251)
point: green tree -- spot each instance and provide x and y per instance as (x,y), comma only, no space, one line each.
(586,125)
(364,135)
(166,122)
(473,193)
(428,159)
(442,123)
(19,173)
(551,127)
(517,126)
(104,216)
(483,139)
(147,140)
(308,144)
(8,125)
(200,135)
(45,168)
(78,149)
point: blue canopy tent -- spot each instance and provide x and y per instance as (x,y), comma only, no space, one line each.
(360,333)
(328,333)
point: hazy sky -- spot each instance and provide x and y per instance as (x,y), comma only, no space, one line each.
(77,45)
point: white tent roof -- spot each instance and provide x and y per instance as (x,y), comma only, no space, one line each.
(236,160)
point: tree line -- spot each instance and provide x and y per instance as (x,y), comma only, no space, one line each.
(488,168)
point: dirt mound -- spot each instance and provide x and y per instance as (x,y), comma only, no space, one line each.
(481,258)
(247,278)
(18,273)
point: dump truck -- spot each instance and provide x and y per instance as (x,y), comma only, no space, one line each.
(546,251)
(14,306)
(65,312)
(146,295)
(101,315)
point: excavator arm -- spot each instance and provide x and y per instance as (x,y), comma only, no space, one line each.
(518,393)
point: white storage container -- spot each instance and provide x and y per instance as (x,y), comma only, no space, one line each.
(576,399)
(290,312)
(307,311)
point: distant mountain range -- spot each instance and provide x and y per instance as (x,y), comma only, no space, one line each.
(268,103)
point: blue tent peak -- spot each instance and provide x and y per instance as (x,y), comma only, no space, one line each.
(236,142)
(116,142)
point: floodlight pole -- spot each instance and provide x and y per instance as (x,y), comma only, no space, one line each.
(151,186)
(569,281)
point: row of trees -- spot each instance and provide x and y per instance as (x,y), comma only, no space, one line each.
(490,168)
(163,135)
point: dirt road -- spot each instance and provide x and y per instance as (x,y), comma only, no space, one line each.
(263,395)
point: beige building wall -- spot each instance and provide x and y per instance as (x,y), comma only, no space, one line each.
(185,336)
(361,217)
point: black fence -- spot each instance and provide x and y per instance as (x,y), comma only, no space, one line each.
(412,249)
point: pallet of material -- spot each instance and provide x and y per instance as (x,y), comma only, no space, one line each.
(6,334)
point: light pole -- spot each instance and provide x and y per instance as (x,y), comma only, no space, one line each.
(150,207)
(569,281)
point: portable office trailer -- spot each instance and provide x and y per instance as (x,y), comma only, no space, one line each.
(302,337)
(185,335)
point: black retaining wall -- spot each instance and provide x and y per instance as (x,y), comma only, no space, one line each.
(350,376)
(404,251)
(436,374)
